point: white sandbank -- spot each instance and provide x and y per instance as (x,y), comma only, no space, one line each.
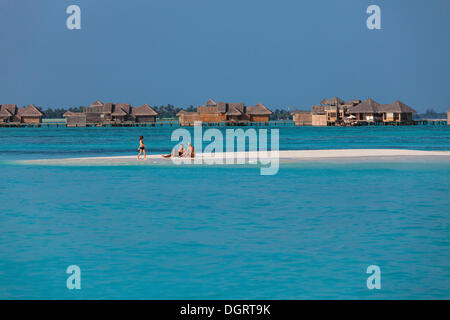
(283,156)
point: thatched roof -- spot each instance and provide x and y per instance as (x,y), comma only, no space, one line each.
(233,111)
(108,107)
(258,109)
(400,107)
(30,111)
(237,105)
(119,113)
(210,102)
(74,114)
(222,107)
(144,110)
(323,101)
(353,102)
(11,108)
(5,113)
(185,112)
(231,108)
(367,106)
(371,106)
(332,101)
(124,106)
(96,103)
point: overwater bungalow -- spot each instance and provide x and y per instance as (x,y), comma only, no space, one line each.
(371,111)
(11,114)
(29,114)
(336,111)
(8,112)
(234,112)
(99,113)
(330,111)
(302,118)
(143,114)
(75,119)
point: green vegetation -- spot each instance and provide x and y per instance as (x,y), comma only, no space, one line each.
(57,113)
(169,112)
(430,114)
(280,114)
(164,112)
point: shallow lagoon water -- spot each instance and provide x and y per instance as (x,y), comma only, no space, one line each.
(209,232)
(38,143)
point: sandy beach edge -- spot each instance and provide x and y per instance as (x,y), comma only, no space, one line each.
(282,155)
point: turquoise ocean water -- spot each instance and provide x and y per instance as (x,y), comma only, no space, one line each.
(209,232)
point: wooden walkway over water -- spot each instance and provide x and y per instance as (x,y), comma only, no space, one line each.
(175,123)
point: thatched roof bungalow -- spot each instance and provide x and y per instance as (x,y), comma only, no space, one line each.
(75,119)
(302,118)
(335,111)
(335,101)
(213,112)
(121,112)
(187,118)
(367,107)
(29,114)
(8,112)
(258,113)
(143,114)
(102,113)
(99,112)
(370,110)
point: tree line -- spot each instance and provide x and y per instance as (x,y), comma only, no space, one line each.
(169,112)
(164,112)
(430,114)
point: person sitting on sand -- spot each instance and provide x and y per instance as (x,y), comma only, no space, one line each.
(175,153)
(141,148)
(190,153)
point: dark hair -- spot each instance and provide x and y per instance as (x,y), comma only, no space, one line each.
(141,138)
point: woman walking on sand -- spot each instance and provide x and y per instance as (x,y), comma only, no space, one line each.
(141,148)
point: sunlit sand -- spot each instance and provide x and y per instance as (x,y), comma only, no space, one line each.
(284,156)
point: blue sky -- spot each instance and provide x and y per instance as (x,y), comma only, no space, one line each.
(278,52)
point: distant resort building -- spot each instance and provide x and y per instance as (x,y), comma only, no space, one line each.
(231,112)
(99,113)
(354,112)
(302,118)
(9,113)
(328,112)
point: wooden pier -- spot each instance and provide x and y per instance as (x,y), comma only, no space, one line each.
(166,123)
(439,122)
(175,123)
